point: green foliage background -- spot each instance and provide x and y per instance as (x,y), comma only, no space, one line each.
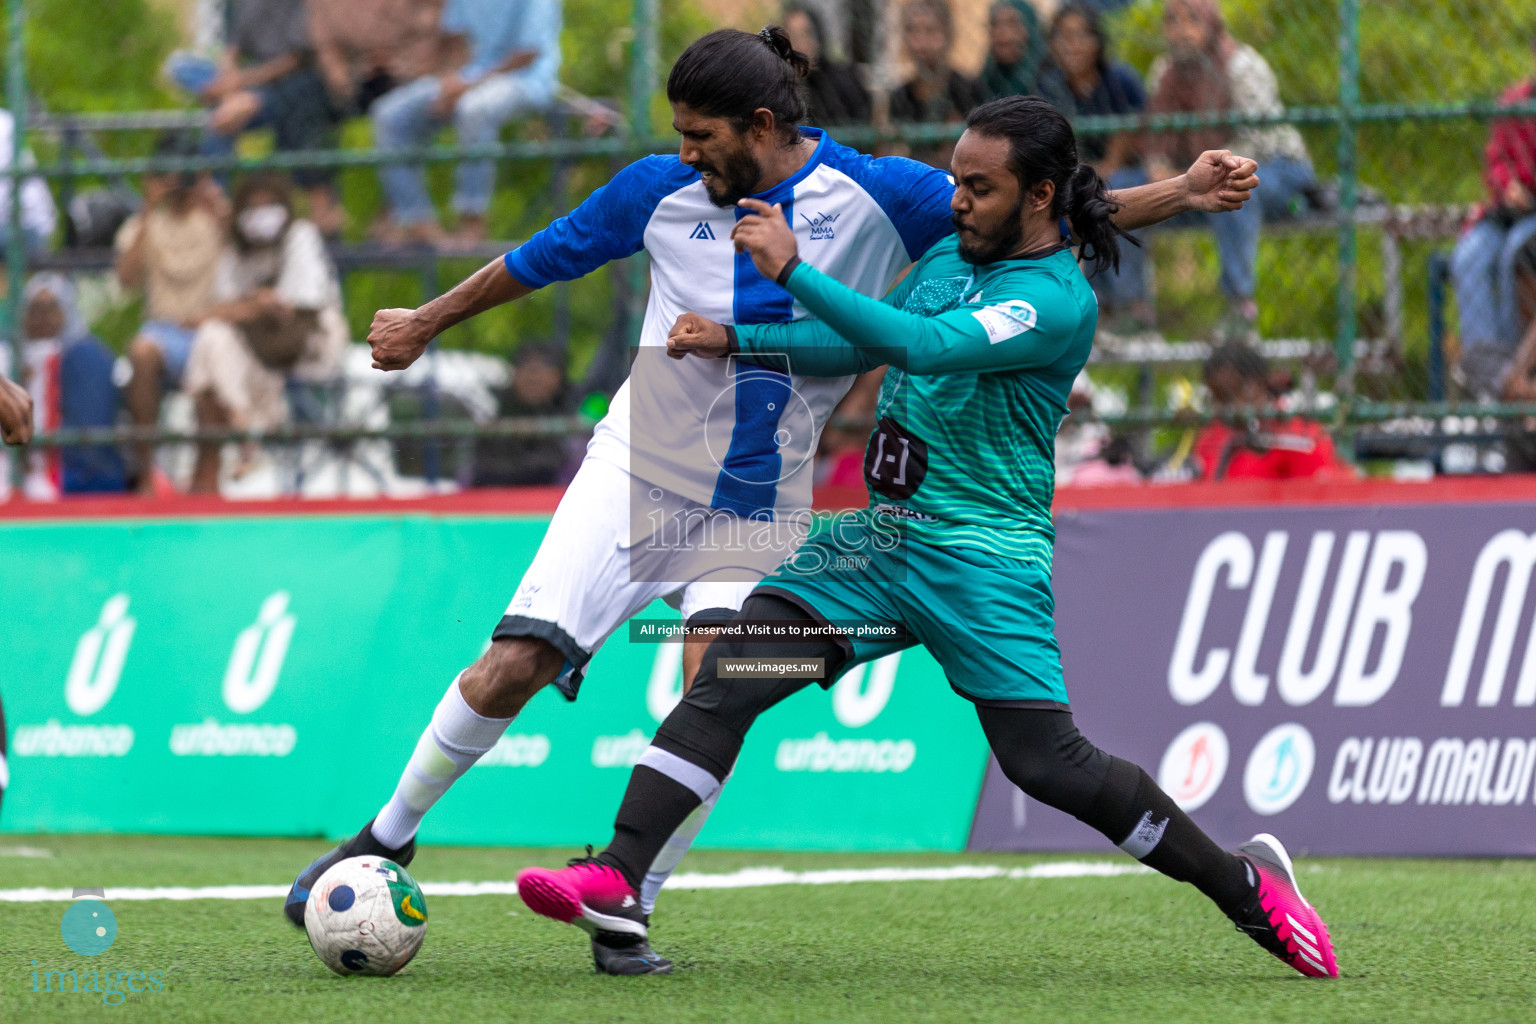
(94,55)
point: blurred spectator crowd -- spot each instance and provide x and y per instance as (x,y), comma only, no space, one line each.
(242,301)
(241,298)
(300,67)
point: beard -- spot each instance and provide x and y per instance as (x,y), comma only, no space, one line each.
(735,179)
(977,249)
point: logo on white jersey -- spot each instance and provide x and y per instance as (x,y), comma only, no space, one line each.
(821,225)
(703,231)
(1006,319)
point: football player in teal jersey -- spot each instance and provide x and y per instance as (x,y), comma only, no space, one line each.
(983,339)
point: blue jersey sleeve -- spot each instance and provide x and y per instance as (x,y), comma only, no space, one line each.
(608,225)
(913,195)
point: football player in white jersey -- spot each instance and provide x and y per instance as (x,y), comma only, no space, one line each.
(690,450)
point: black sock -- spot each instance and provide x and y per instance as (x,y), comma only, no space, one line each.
(1154,830)
(654,806)
(696,746)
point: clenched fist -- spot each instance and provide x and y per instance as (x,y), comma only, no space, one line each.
(1219,181)
(699,335)
(398,337)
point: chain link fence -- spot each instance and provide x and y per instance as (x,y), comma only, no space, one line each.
(1379,311)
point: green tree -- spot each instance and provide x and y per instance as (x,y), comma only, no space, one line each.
(84,55)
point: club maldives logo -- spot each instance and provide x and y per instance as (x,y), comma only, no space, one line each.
(89,929)
(1194,765)
(1279,768)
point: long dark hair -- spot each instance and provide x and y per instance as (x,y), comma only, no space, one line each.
(730,74)
(1043,148)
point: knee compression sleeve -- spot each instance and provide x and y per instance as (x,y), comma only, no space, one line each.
(696,747)
(708,726)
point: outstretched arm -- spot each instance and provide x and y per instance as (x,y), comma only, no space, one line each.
(608,225)
(972,338)
(1216,182)
(399,336)
(806,347)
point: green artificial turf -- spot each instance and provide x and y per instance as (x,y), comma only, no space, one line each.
(1436,941)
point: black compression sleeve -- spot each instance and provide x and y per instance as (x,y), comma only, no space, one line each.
(705,731)
(1043,754)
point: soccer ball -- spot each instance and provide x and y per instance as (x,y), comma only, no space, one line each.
(366,915)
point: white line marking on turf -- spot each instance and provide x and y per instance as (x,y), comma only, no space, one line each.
(746,878)
(25,851)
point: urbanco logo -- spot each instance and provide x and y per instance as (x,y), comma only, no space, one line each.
(856,705)
(257,659)
(249,679)
(97,666)
(91,682)
(1279,768)
(1194,765)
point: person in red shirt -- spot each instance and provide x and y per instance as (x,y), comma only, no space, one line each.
(1270,446)
(1486,259)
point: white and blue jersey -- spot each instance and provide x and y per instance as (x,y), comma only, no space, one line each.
(728,436)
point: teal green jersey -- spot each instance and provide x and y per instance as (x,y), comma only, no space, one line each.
(981,360)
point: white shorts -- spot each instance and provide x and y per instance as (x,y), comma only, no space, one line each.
(616,544)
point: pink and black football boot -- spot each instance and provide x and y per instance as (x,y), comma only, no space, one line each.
(1277,916)
(597,898)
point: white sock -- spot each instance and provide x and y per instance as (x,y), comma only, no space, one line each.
(455,740)
(671,855)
